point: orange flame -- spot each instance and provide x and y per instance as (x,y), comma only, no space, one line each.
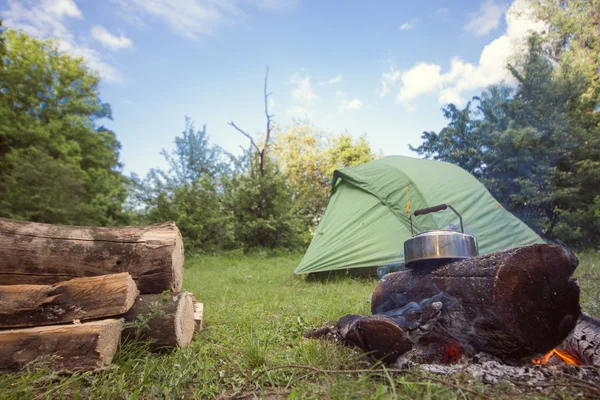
(562,355)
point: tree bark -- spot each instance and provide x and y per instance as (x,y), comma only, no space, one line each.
(79,298)
(584,342)
(165,320)
(63,348)
(36,253)
(514,304)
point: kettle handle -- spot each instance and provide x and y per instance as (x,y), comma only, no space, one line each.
(425,211)
(428,210)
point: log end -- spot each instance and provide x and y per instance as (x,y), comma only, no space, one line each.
(185,323)
(198,315)
(131,294)
(538,291)
(170,275)
(108,340)
(178,261)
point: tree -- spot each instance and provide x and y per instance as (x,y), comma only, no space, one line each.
(458,143)
(308,158)
(190,191)
(56,164)
(258,196)
(573,37)
(535,148)
(344,152)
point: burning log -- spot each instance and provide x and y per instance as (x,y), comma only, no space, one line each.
(65,348)
(583,343)
(513,304)
(44,254)
(79,298)
(165,320)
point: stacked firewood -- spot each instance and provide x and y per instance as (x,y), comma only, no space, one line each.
(69,294)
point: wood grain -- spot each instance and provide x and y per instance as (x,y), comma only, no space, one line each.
(34,253)
(78,298)
(64,348)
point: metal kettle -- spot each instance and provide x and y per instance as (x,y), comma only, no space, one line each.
(436,247)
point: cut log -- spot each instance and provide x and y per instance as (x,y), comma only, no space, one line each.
(34,253)
(165,320)
(514,304)
(64,348)
(198,315)
(79,298)
(584,341)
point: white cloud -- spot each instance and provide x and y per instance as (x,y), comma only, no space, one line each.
(49,18)
(303,92)
(345,104)
(409,24)
(274,5)
(332,81)
(303,97)
(426,78)
(109,40)
(442,11)
(486,19)
(421,79)
(194,18)
(389,79)
(61,8)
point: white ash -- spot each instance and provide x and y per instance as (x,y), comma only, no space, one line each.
(488,369)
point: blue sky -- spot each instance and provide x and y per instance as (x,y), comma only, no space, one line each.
(380,68)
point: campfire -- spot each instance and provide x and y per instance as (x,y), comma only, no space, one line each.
(517,307)
(557,356)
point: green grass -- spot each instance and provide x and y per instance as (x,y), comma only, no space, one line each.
(255,315)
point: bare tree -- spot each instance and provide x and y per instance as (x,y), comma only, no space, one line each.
(261,152)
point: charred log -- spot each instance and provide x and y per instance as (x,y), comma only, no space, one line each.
(584,342)
(513,304)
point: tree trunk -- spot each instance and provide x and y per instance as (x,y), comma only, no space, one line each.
(584,341)
(64,348)
(514,304)
(36,253)
(78,298)
(165,320)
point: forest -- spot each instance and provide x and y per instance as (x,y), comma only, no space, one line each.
(534,142)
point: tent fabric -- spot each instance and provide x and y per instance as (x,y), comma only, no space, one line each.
(366,221)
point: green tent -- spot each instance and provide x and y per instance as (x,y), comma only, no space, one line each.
(366,221)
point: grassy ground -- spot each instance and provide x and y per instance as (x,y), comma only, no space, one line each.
(255,315)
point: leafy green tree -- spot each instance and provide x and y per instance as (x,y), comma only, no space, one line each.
(535,148)
(308,158)
(56,164)
(260,203)
(258,194)
(189,192)
(572,39)
(344,152)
